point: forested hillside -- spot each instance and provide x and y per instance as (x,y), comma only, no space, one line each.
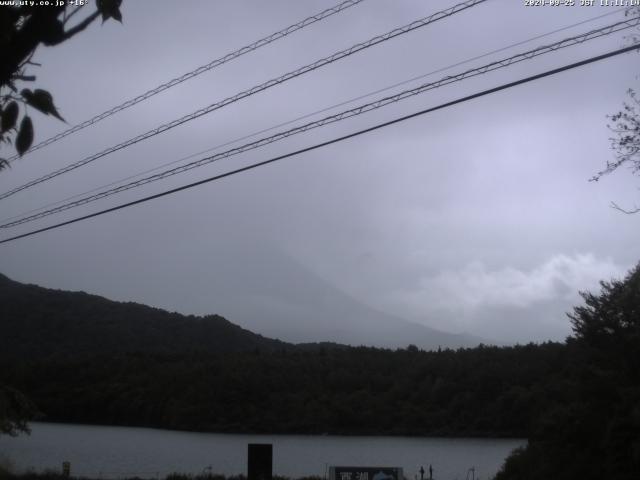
(486,391)
(577,402)
(37,322)
(83,358)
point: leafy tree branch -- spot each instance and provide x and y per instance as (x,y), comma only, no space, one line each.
(24,28)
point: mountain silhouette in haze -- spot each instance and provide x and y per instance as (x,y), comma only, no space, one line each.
(276,297)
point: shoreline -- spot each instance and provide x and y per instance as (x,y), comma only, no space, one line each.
(479,436)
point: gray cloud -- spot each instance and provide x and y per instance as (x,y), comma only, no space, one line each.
(463,297)
(478,217)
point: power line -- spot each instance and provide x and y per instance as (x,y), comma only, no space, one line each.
(308,115)
(198,71)
(505,86)
(259,88)
(498,64)
(340,116)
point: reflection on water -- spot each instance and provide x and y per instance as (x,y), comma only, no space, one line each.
(118,451)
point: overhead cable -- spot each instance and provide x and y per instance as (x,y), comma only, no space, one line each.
(308,115)
(505,86)
(198,71)
(498,64)
(252,91)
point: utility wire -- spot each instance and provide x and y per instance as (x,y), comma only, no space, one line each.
(259,88)
(505,86)
(307,115)
(194,73)
(593,34)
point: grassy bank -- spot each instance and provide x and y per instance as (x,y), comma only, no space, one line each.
(7,473)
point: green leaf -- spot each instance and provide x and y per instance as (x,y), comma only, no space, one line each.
(9,117)
(110,9)
(25,135)
(41,100)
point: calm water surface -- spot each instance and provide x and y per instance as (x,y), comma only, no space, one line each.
(110,452)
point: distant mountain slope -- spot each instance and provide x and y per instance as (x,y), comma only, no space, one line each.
(280,298)
(39,322)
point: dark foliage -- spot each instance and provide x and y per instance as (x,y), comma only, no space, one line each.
(474,392)
(594,432)
(23,28)
(83,358)
(41,323)
(15,411)
(578,403)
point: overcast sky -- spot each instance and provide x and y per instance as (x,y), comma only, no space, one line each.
(478,218)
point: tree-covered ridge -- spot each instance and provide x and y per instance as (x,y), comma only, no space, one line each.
(37,322)
(487,391)
(577,402)
(83,358)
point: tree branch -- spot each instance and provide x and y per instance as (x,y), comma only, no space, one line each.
(615,206)
(73,12)
(80,27)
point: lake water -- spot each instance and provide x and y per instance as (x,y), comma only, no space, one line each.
(112,452)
